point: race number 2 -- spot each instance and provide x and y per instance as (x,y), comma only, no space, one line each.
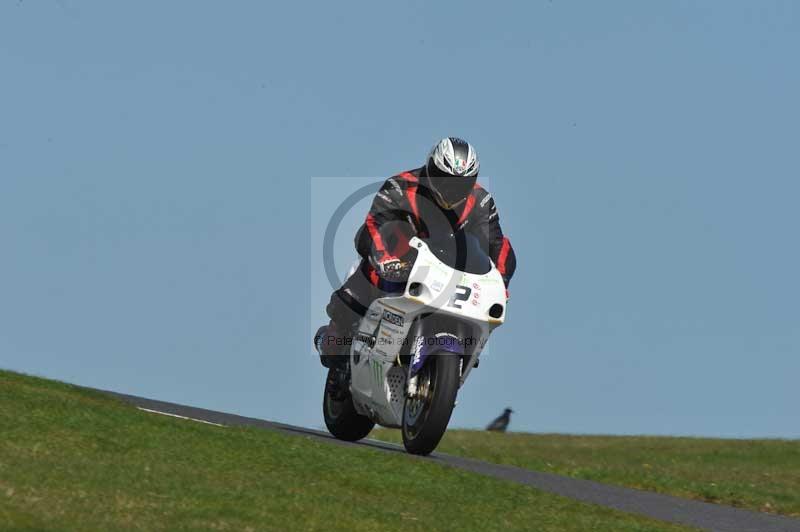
(460,295)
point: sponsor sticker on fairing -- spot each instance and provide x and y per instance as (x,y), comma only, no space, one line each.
(393,318)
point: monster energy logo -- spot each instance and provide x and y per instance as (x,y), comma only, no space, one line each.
(376,370)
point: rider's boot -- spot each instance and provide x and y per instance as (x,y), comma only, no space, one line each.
(333,345)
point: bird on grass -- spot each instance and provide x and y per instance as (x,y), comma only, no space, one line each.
(501,423)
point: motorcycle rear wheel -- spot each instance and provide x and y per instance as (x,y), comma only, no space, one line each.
(426,416)
(341,417)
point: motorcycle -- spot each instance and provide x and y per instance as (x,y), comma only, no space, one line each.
(415,349)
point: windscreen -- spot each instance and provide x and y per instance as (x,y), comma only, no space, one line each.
(461,251)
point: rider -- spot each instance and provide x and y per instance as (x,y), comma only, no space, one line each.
(441,197)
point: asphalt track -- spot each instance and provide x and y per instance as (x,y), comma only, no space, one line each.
(664,507)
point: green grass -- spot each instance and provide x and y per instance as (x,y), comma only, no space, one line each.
(757,474)
(75,459)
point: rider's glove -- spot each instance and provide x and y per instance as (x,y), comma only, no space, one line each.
(393,269)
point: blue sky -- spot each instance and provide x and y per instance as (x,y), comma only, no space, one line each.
(159,221)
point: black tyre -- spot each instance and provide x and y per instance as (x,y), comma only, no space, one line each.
(426,416)
(341,417)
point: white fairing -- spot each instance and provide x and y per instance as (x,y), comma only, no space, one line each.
(378,382)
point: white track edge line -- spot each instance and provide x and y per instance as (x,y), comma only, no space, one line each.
(181,417)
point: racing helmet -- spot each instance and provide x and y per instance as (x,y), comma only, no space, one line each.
(451,171)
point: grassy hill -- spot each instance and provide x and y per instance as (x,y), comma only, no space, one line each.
(75,459)
(756,474)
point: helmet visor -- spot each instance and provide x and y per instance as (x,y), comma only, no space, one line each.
(451,189)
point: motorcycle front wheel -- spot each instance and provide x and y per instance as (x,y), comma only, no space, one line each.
(425,416)
(341,417)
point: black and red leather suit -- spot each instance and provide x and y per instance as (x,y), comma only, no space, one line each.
(402,208)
